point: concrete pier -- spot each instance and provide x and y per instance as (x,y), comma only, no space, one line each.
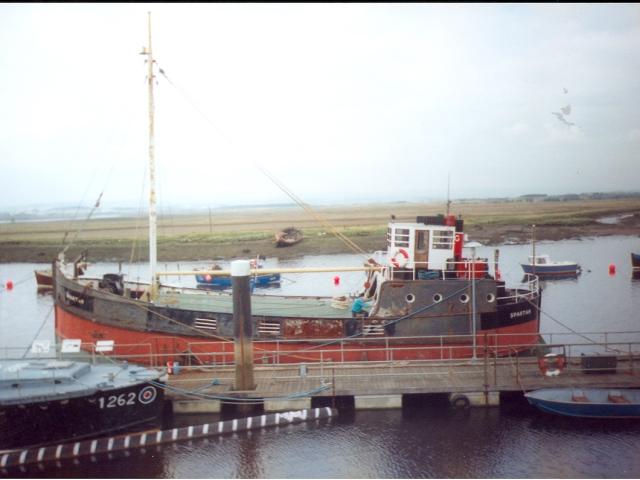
(197,406)
(377,402)
(281,405)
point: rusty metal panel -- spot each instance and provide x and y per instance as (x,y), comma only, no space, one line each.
(312,328)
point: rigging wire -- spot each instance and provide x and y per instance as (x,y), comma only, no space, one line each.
(46,318)
(585,337)
(84,224)
(352,245)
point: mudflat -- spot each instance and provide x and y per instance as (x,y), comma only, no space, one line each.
(247,232)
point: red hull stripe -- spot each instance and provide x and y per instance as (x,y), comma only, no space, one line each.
(157,348)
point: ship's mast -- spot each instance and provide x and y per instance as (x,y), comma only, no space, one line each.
(152,173)
(448,196)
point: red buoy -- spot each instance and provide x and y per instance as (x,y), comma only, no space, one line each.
(612,269)
(9,285)
(336,280)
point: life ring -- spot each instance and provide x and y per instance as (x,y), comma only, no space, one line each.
(552,364)
(400,258)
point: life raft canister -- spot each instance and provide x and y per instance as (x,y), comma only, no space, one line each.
(399,258)
(552,364)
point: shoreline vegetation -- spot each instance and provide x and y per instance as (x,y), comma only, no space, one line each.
(245,233)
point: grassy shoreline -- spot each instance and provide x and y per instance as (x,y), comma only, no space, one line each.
(246,233)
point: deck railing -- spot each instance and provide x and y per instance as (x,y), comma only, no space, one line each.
(452,348)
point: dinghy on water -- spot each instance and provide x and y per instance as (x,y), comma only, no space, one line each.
(207,280)
(44,279)
(587,402)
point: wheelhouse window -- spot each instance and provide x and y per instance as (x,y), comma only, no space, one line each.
(401,238)
(443,239)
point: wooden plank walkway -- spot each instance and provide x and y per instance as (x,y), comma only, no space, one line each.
(397,378)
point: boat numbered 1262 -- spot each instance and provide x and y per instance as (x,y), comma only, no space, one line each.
(48,400)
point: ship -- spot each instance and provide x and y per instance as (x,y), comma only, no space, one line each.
(53,400)
(426,300)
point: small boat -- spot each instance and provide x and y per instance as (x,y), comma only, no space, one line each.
(44,279)
(48,400)
(542,265)
(635,261)
(289,236)
(258,280)
(587,402)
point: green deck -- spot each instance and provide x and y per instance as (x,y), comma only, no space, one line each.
(269,305)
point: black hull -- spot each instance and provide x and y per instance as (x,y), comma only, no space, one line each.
(103,412)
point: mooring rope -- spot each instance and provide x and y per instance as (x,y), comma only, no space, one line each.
(239,400)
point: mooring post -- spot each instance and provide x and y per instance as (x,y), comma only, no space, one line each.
(242,325)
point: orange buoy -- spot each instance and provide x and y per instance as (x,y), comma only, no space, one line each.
(336,280)
(9,285)
(612,269)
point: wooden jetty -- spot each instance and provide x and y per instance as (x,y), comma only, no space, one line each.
(382,385)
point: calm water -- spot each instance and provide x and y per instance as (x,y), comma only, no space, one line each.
(426,438)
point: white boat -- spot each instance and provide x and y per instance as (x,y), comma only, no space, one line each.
(544,266)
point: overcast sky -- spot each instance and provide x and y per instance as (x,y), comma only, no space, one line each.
(340,102)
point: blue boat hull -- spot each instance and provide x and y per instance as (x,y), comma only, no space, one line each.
(551,270)
(225,282)
(590,409)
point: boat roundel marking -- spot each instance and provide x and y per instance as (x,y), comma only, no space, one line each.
(147,395)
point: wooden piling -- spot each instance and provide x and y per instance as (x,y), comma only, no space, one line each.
(242,325)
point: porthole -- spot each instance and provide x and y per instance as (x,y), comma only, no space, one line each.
(464,298)
(491,298)
(437,298)
(410,298)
